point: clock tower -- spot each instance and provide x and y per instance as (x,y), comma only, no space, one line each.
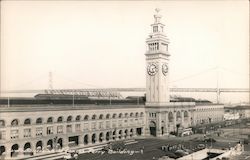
(157,57)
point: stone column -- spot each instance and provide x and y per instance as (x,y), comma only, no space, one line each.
(90,138)
(143,131)
(64,128)
(117,134)
(182,118)
(44,141)
(73,127)
(123,134)
(174,121)
(8,151)
(97,138)
(33,131)
(158,124)
(20,132)
(167,123)
(80,139)
(135,132)
(163,118)
(7,134)
(146,128)
(103,137)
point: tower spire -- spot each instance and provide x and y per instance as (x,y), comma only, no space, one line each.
(157,16)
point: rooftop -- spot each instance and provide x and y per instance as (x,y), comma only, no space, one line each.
(27,108)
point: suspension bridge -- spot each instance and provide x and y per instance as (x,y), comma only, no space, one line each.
(95,91)
(115,92)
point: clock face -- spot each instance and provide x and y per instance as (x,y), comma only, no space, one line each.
(152,69)
(165,69)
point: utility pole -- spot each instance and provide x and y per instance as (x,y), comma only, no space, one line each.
(50,81)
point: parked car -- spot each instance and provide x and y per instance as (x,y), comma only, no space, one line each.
(181,153)
(171,155)
(86,150)
(201,146)
(209,140)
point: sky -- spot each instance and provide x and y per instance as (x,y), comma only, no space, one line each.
(101,44)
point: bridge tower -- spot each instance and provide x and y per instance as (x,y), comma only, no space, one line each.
(157,57)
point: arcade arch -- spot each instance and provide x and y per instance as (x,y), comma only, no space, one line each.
(152,128)
(170,117)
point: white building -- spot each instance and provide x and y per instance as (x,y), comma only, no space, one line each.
(41,128)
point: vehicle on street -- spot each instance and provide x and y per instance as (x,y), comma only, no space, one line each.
(201,146)
(181,153)
(186,132)
(86,150)
(209,140)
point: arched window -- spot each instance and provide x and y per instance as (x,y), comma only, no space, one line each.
(2,123)
(78,118)
(178,115)
(185,114)
(50,120)
(69,119)
(27,146)
(141,114)
(126,115)
(131,114)
(101,116)
(170,117)
(86,118)
(114,115)
(14,122)
(59,119)
(136,114)
(27,121)
(94,117)
(107,116)
(39,120)
(120,115)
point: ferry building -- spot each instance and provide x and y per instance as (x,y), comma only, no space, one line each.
(27,128)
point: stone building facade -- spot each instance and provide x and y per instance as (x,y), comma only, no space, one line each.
(45,128)
(38,128)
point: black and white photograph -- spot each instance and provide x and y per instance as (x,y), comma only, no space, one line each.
(124,80)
